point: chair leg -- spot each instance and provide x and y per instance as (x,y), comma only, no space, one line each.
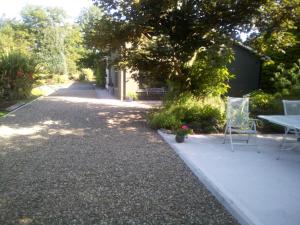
(256,141)
(284,137)
(249,135)
(225,134)
(230,136)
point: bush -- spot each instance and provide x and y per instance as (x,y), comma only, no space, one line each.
(86,74)
(199,115)
(59,79)
(266,104)
(100,75)
(17,77)
(132,96)
(165,120)
(262,103)
(205,119)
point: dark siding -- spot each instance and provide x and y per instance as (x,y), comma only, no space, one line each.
(246,68)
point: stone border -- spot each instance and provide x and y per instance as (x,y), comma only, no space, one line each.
(30,102)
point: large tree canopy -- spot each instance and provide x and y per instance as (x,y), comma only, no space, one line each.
(170,38)
(278,36)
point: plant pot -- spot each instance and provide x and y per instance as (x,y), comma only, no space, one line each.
(179,138)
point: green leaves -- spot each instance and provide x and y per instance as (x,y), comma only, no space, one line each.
(16,75)
(166,37)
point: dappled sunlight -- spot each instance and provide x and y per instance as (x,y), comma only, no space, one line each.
(103,113)
(125,121)
(7,132)
(51,122)
(108,102)
(25,220)
(76,132)
(37,136)
(34,132)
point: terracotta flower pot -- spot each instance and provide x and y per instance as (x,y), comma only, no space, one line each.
(179,138)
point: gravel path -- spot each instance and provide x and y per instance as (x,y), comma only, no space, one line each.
(70,158)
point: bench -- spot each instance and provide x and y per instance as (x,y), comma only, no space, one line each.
(151,93)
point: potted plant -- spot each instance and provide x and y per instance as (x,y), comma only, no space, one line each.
(182,132)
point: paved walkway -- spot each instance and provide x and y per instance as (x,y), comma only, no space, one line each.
(255,187)
(71,158)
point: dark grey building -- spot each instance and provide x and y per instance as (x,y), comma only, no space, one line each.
(246,67)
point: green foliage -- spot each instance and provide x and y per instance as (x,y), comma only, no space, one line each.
(58,79)
(43,34)
(100,75)
(262,103)
(86,74)
(46,25)
(74,49)
(51,53)
(164,119)
(183,130)
(14,37)
(176,41)
(16,75)
(208,74)
(132,96)
(200,115)
(278,37)
(93,57)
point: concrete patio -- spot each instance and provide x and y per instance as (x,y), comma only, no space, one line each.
(255,187)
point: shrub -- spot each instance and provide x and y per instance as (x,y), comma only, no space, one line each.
(263,103)
(132,95)
(74,76)
(100,75)
(266,104)
(17,77)
(59,79)
(199,115)
(165,120)
(86,74)
(205,119)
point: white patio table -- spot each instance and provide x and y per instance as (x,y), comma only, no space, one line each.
(288,121)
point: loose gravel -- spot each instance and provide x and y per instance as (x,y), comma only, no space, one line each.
(70,158)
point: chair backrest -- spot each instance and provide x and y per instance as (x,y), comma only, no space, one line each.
(237,113)
(291,107)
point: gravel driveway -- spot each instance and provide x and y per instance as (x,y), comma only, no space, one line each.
(71,158)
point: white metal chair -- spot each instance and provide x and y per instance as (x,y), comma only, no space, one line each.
(291,108)
(238,121)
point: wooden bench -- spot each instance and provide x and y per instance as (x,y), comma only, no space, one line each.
(151,93)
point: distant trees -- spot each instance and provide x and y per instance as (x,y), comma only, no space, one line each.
(42,45)
(94,54)
(44,34)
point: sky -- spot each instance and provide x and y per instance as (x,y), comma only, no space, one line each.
(12,8)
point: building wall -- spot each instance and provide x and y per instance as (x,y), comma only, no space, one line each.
(246,68)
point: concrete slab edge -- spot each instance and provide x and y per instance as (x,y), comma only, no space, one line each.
(28,103)
(243,216)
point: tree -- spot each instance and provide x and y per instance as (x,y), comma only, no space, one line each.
(170,38)
(74,48)
(94,55)
(48,28)
(278,36)
(15,37)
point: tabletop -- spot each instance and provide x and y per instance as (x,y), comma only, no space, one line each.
(290,121)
